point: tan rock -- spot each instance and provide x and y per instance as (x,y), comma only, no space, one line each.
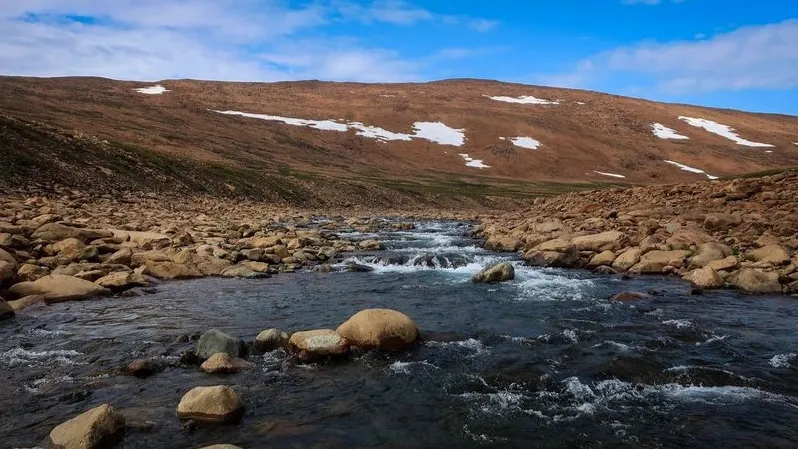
(71,244)
(29,272)
(143,240)
(8,273)
(705,278)
(368,245)
(141,258)
(271,339)
(610,240)
(684,238)
(55,232)
(265,242)
(552,258)
(380,329)
(627,259)
(559,245)
(222,363)
(654,262)
(505,243)
(722,222)
(121,257)
(260,267)
(58,288)
(497,273)
(709,252)
(98,428)
(755,281)
(319,343)
(773,254)
(726,264)
(121,281)
(218,404)
(26,302)
(207,265)
(170,270)
(604,258)
(242,271)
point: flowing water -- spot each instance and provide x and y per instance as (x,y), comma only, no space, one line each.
(542,361)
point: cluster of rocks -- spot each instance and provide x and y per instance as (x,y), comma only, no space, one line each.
(220,353)
(78,247)
(741,233)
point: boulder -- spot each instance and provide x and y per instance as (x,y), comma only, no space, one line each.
(705,278)
(503,243)
(224,364)
(629,296)
(143,240)
(6,311)
(58,288)
(270,340)
(497,273)
(755,281)
(219,404)
(265,242)
(242,271)
(99,428)
(170,270)
(69,245)
(726,264)
(121,281)
(56,232)
(605,258)
(317,344)
(26,302)
(122,257)
(552,259)
(722,222)
(559,245)
(29,272)
(144,367)
(8,273)
(627,259)
(370,245)
(773,254)
(215,341)
(709,252)
(207,265)
(380,329)
(684,238)
(141,258)
(610,240)
(654,262)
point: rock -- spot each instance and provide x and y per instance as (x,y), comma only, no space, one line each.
(265,242)
(121,281)
(139,259)
(726,264)
(260,267)
(629,296)
(709,252)
(206,265)
(121,257)
(722,222)
(143,240)
(170,271)
(773,254)
(8,273)
(654,262)
(144,367)
(58,288)
(215,341)
(99,428)
(380,329)
(705,278)
(241,271)
(370,245)
(56,232)
(755,281)
(684,238)
(559,245)
(605,270)
(497,273)
(91,275)
(316,344)
(552,258)
(604,258)
(29,272)
(70,245)
(504,244)
(627,259)
(270,340)
(6,311)
(26,302)
(358,268)
(219,404)
(253,255)
(224,364)
(610,240)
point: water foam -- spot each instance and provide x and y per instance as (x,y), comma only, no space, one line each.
(22,357)
(783,360)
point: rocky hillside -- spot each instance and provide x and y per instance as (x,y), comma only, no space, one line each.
(741,233)
(402,143)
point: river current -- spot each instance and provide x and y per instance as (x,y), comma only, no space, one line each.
(542,361)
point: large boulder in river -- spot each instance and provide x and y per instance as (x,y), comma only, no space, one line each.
(497,273)
(318,344)
(610,240)
(705,278)
(58,288)
(215,341)
(380,329)
(56,232)
(270,339)
(224,364)
(99,428)
(219,404)
(755,281)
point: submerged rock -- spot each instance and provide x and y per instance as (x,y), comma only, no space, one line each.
(380,329)
(705,278)
(215,341)
(144,367)
(629,296)
(497,273)
(358,268)
(318,344)
(219,404)
(99,428)
(224,364)
(270,340)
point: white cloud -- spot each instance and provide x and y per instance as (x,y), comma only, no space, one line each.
(483,25)
(647,2)
(754,57)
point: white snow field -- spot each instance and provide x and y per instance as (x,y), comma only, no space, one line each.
(152,90)
(663,132)
(524,142)
(614,175)
(723,131)
(471,162)
(691,169)
(524,99)
(433,131)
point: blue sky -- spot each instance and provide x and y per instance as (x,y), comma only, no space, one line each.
(733,53)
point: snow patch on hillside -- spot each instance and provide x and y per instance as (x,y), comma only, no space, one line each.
(152,90)
(433,131)
(723,131)
(691,169)
(524,142)
(471,162)
(663,132)
(524,99)
(614,175)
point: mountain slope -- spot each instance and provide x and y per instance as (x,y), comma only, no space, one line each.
(417,134)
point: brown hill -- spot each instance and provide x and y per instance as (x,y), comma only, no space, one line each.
(81,130)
